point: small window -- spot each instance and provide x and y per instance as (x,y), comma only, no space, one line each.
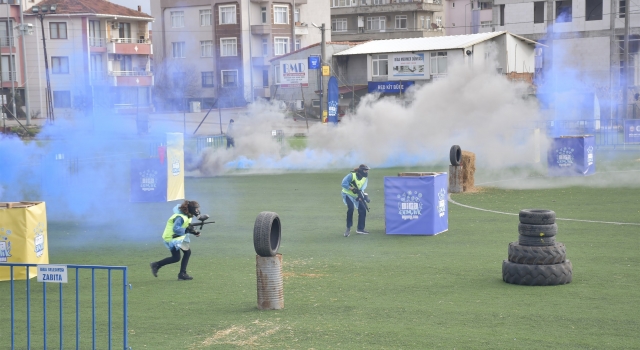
(178,49)
(401,22)
(228,47)
(276,74)
(60,65)
(206,48)
(315,103)
(177,19)
(264,15)
(376,23)
(564,11)
(229,78)
(228,14)
(298,44)
(501,15)
(205,18)
(379,65)
(593,10)
(438,63)
(281,46)
(265,47)
(621,8)
(280,14)
(538,12)
(207,79)
(58,30)
(62,99)
(339,25)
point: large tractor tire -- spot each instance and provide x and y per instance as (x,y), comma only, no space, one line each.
(537,275)
(538,230)
(532,255)
(537,216)
(536,241)
(266,234)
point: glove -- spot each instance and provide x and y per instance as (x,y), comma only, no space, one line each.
(196,233)
(353,189)
(175,235)
(190,229)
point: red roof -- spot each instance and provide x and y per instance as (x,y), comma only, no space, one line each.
(98,7)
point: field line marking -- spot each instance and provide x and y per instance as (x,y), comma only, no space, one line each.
(501,212)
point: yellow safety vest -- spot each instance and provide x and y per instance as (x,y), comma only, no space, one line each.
(359,183)
(168,229)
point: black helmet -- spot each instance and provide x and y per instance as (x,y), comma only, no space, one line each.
(363,167)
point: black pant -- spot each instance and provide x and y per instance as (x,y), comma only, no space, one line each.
(175,257)
(362,214)
(230,142)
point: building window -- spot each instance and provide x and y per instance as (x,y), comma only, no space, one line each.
(206,48)
(315,103)
(60,65)
(265,47)
(401,22)
(501,15)
(205,18)
(564,11)
(58,30)
(485,5)
(276,74)
(177,19)
(621,8)
(485,24)
(439,21)
(178,49)
(207,79)
(228,47)
(453,4)
(124,30)
(343,3)
(298,44)
(593,10)
(339,25)
(438,63)
(296,16)
(229,78)
(228,14)
(376,23)
(538,12)
(281,14)
(264,15)
(62,99)
(379,65)
(281,46)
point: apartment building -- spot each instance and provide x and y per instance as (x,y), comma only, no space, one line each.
(362,20)
(12,73)
(99,57)
(221,48)
(468,16)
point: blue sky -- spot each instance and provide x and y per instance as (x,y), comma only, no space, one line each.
(146,4)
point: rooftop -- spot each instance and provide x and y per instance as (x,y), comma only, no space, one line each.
(95,7)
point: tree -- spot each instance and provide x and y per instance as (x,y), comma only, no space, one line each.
(175,83)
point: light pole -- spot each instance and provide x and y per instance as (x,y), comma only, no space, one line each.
(322,61)
(41,11)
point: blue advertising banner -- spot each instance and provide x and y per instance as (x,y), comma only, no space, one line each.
(390,87)
(572,156)
(416,205)
(332,100)
(314,62)
(148,180)
(632,131)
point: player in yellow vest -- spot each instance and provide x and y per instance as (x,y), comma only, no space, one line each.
(350,198)
(176,238)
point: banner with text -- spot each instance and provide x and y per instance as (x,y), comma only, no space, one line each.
(408,65)
(294,73)
(632,131)
(390,87)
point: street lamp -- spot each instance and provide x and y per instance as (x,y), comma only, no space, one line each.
(41,11)
(322,61)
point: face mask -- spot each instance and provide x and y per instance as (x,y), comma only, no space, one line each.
(363,173)
(194,210)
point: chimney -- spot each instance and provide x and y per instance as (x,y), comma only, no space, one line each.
(139,8)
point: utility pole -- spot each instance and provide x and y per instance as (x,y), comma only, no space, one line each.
(625,81)
(24,31)
(614,58)
(40,11)
(323,60)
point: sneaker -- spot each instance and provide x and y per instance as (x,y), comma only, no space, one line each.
(362,232)
(154,269)
(347,232)
(184,277)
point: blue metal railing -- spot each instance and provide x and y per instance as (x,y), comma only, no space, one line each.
(93,268)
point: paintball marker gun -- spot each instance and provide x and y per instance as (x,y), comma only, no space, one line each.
(362,197)
(203,221)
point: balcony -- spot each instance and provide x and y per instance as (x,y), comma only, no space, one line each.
(261,29)
(122,78)
(260,61)
(129,46)
(353,35)
(298,2)
(301,30)
(385,6)
(8,77)
(7,41)
(264,92)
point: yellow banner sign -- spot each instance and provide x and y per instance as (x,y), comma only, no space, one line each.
(326,71)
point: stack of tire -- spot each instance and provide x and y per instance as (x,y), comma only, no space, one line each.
(536,259)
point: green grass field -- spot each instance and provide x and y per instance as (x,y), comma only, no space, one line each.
(374,291)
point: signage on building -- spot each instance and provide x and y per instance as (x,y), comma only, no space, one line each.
(294,73)
(632,131)
(390,87)
(326,71)
(314,62)
(408,65)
